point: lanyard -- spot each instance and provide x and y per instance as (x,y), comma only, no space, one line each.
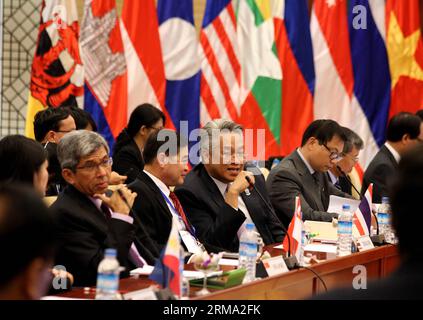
(170,203)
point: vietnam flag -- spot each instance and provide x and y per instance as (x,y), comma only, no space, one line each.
(405,51)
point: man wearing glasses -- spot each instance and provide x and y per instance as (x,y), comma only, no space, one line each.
(303,173)
(339,174)
(403,133)
(88,221)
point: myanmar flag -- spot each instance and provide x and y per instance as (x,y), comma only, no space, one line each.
(57,72)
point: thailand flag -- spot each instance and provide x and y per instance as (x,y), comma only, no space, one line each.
(166,271)
(363,215)
(294,230)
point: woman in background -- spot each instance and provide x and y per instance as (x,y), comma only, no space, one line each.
(127,155)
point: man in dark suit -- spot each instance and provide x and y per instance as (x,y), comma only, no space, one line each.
(403,133)
(303,173)
(405,196)
(88,221)
(338,174)
(156,204)
(213,194)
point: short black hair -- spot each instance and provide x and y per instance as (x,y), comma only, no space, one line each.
(82,119)
(403,123)
(20,158)
(405,196)
(27,230)
(157,139)
(49,119)
(419,113)
(353,140)
(323,130)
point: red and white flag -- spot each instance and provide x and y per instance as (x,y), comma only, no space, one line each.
(363,215)
(294,230)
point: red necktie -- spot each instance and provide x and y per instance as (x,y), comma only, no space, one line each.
(180,210)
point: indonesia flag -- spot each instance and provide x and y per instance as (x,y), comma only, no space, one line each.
(363,216)
(105,67)
(294,230)
(166,271)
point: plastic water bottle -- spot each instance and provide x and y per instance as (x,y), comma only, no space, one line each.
(108,277)
(303,244)
(184,281)
(248,244)
(384,219)
(344,231)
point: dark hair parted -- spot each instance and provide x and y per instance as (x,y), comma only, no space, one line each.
(323,130)
(405,197)
(403,123)
(82,119)
(143,115)
(26,230)
(170,140)
(49,119)
(20,158)
(419,113)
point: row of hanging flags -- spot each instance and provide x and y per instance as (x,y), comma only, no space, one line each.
(267,64)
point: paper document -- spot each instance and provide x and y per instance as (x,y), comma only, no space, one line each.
(228,262)
(146,270)
(336,203)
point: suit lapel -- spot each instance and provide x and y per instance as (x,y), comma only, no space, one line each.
(212,188)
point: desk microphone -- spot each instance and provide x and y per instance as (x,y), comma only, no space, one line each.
(348,180)
(290,261)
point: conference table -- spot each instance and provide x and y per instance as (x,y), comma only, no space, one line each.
(295,284)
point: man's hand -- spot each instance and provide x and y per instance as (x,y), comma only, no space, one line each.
(238,186)
(116,203)
(116,178)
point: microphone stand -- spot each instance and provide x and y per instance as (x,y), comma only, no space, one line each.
(291,260)
(377,239)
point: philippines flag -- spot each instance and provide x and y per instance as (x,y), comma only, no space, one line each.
(103,55)
(294,230)
(179,45)
(363,215)
(166,271)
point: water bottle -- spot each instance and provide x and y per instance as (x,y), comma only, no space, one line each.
(384,219)
(344,231)
(108,277)
(248,243)
(303,244)
(184,281)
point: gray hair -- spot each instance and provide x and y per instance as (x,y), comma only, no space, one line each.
(215,127)
(353,140)
(78,144)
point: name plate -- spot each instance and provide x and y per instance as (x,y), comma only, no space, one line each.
(364,243)
(144,294)
(275,266)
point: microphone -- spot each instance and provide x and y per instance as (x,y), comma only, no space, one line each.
(348,180)
(290,261)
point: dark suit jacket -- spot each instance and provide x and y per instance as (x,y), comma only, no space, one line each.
(84,233)
(215,221)
(291,178)
(128,161)
(406,283)
(344,186)
(379,172)
(154,213)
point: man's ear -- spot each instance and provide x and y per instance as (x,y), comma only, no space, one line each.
(51,136)
(143,130)
(405,138)
(163,159)
(68,175)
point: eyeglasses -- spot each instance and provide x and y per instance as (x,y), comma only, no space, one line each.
(158,129)
(346,155)
(91,166)
(333,155)
(64,131)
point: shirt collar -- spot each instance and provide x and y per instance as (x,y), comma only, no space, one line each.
(394,152)
(305,162)
(334,179)
(159,183)
(220,185)
(97,202)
